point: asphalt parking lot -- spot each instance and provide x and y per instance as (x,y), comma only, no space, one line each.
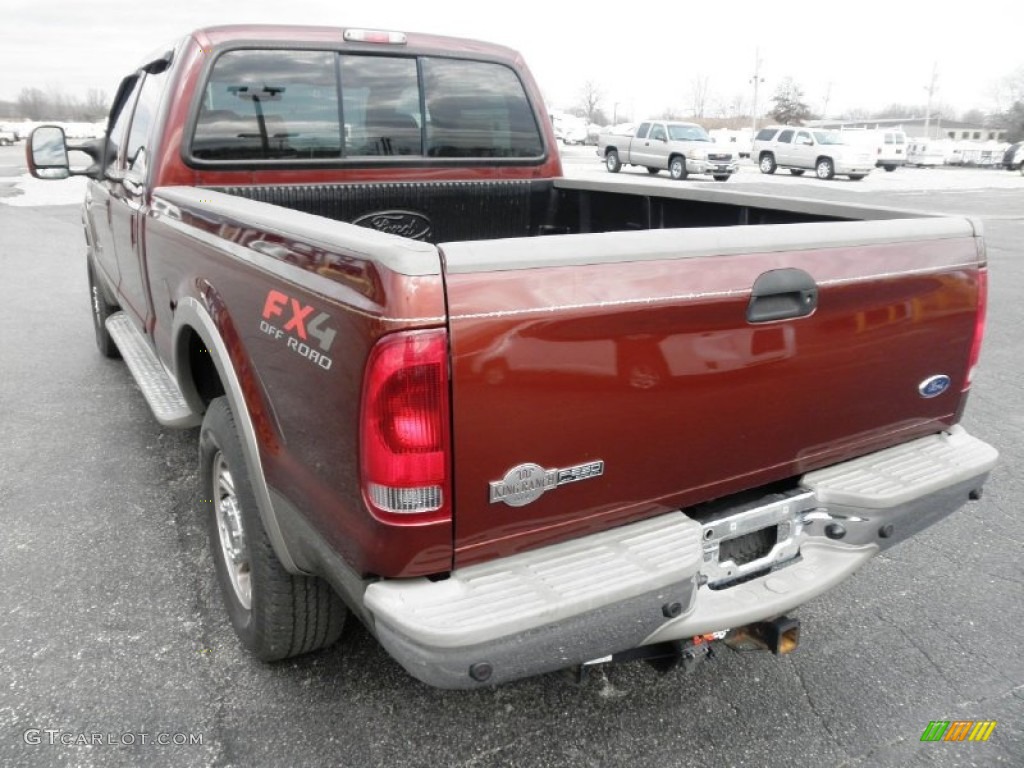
(113,639)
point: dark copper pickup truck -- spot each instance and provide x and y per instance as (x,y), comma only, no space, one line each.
(513,421)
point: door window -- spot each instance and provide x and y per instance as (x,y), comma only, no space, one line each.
(135,156)
(658,133)
(786,136)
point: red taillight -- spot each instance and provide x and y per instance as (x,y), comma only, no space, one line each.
(405,435)
(979,326)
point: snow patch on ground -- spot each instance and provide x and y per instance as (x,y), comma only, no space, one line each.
(28,191)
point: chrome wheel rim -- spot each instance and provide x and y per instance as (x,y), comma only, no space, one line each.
(823,170)
(677,169)
(610,162)
(766,165)
(231,534)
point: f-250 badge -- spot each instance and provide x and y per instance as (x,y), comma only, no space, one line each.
(528,482)
(299,328)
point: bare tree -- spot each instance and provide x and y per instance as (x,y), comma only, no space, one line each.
(33,104)
(591,96)
(700,92)
(96,105)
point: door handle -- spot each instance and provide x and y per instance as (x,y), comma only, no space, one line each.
(782,294)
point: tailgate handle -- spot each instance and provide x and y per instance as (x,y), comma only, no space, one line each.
(782,294)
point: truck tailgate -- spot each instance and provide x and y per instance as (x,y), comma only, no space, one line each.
(599,379)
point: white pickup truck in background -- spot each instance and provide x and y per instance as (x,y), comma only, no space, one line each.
(682,148)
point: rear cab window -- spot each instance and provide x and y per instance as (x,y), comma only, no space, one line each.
(273,106)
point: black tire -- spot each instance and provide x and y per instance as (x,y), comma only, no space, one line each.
(722,177)
(824,169)
(767,163)
(889,168)
(677,168)
(654,171)
(797,171)
(274,613)
(611,161)
(101,310)
(856,176)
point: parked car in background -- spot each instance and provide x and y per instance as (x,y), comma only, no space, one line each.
(7,138)
(682,148)
(804,149)
(1013,157)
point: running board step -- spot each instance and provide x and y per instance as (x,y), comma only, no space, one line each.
(158,386)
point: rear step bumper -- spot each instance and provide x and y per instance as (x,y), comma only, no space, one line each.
(648,582)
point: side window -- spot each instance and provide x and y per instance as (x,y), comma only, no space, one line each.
(803,137)
(135,159)
(120,114)
(658,132)
(765,134)
(477,109)
(269,105)
(641,132)
(786,136)
(381,106)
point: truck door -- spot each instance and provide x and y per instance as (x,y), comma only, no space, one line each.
(637,150)
(656,147)
(98,199)
(129,200)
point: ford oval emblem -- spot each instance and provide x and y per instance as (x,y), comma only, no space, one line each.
(933,386)
(404,223)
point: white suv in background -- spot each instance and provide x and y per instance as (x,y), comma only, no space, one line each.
(806,149)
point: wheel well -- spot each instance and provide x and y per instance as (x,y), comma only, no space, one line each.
(200,371)
(824,157)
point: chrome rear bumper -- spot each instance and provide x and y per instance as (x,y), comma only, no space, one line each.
(665,578)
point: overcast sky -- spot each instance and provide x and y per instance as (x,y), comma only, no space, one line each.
(644,56)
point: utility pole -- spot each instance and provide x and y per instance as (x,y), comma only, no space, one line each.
(828,96)
(931,88)
(756,80)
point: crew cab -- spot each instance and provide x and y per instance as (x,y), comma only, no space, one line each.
(804,149)
(514,422)
(682,148)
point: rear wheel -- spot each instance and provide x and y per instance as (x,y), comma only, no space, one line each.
(722,177)
(611,161)
(856,176)
(889,168)
(101,310)
(654,171)
(677,168)
(767,163)
(274,613)
(797,171)
(824,169)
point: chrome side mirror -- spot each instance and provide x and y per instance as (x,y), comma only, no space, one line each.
(47,153)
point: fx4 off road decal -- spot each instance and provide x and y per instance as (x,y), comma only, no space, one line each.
(307,335)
